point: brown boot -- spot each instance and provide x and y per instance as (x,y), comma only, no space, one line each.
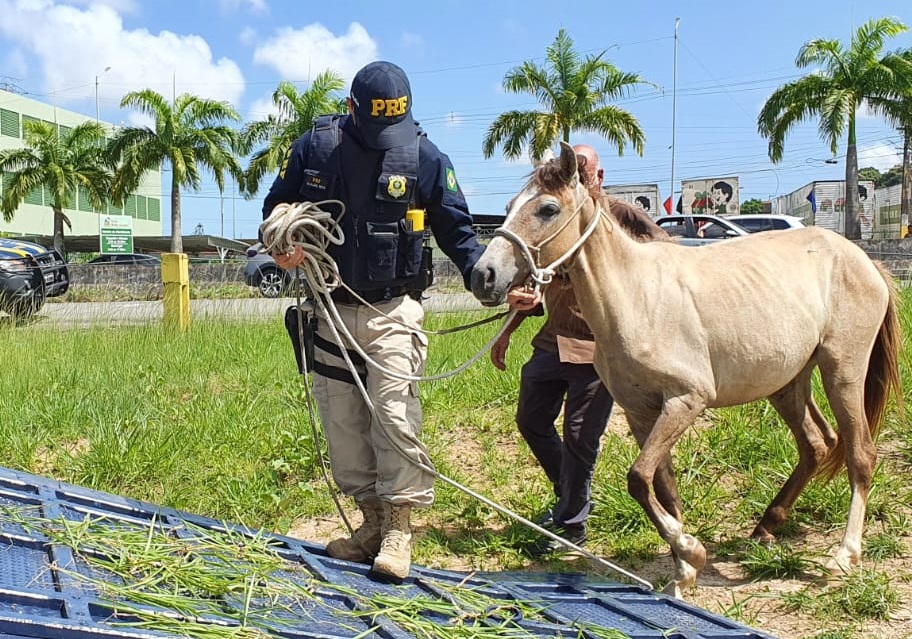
(365,541)
(395,556)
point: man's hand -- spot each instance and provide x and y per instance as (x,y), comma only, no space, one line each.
(522,299)
(290,260)
(499,352)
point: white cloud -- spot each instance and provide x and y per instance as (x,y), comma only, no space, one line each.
(881,156)
(73,46)
(248,36)
(254,6)
(261,109)
(300,54)
(120,6)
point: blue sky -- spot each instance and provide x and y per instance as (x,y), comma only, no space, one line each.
(730,57)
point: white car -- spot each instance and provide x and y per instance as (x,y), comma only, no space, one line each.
(756,222)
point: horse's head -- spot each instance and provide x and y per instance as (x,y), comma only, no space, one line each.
(540,225)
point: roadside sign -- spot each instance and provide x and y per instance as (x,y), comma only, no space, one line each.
(115,233)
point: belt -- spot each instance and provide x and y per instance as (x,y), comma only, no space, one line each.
(342,296)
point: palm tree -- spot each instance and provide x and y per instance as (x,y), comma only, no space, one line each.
(188,135)
(846,78)
(295,113)
(65,163)
(574,94)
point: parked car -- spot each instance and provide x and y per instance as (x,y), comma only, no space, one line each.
(127,259)
(697,230)
(29,274)
(756,222)
(265,275)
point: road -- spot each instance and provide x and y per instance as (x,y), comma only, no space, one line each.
(81,314)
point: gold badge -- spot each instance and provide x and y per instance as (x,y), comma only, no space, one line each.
(396,186)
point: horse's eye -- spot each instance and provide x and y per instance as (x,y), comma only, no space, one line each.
(549,209)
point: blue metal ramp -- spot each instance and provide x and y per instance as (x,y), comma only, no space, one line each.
(65,574)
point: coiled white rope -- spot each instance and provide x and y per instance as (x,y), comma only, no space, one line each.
(306,225)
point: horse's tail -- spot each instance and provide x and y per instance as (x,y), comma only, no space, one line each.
(882,378)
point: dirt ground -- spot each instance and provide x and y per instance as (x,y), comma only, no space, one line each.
(722,588)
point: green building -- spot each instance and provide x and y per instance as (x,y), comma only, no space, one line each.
(34,216)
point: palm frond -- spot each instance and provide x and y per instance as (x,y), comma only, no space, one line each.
(569,89)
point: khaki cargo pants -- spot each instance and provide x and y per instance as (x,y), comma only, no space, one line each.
(364,451)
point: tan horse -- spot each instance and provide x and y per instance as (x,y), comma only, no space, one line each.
(680,329)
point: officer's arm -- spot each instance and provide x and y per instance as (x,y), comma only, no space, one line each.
(286,187)
(447,212)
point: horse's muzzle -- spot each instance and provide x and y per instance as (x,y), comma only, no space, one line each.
(485,287)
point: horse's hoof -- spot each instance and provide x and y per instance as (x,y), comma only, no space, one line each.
(763,536)
(838,567)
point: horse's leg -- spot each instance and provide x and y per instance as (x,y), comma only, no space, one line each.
(654,464)
(826,430)
(844,386)
(814,438)
(665,483)
(666,488)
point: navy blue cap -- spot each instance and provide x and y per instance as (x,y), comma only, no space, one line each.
(382,102)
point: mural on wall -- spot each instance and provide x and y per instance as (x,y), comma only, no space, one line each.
(823,204)
(644,196)
(711,196)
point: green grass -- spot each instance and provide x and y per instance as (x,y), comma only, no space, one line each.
(213,422)
(864,594)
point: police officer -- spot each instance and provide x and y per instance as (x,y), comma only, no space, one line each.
(382,166)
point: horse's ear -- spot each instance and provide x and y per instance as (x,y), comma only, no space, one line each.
(568,164)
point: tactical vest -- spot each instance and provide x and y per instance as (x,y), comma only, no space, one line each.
(383,252)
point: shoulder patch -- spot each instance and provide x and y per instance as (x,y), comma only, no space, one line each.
(451,180)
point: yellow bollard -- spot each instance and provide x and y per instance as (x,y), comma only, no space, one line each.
(176,278)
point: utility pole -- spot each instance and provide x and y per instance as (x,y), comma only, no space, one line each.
(904,206)
(674,100)
(106,69)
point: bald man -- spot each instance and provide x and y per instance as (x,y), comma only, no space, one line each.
(560,373)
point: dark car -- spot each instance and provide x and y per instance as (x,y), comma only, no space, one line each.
(127,259)
(29,274)
(757,222)
(261,272)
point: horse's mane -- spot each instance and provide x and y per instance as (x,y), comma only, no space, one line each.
(549,177)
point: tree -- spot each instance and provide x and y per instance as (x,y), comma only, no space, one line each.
(891,177)
(295,113)
(870,173)
(752,206)
(847,78)
(574,95)
(188,135)
(67,164)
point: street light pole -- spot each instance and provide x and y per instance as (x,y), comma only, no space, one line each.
(106,69)
(674,100)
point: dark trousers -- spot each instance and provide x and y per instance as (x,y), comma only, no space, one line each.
(569,462)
